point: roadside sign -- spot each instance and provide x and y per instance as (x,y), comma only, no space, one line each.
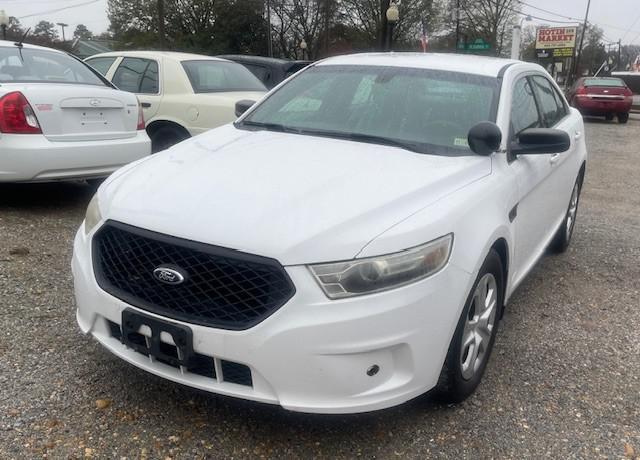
(559,42)
(477,45)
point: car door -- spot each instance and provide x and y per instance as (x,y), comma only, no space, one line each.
(565,165)
(532,214)
(140,76)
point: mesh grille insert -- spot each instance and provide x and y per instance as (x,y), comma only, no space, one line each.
(222,287)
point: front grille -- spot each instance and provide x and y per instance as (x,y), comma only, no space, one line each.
(222,287)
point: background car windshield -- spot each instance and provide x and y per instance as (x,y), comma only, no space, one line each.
(216,76)
(434,109)
(604,82)
(35,65)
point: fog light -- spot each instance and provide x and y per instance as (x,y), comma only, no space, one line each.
(373,370)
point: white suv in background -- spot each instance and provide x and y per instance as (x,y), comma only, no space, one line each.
(59,119)
(348,244)
(182,94)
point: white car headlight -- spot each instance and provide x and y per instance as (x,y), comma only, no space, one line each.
(92,217)
(375,274)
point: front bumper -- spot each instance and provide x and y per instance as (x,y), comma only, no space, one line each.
(311,355)
(34,158)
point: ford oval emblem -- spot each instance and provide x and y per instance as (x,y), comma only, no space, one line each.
(169,275)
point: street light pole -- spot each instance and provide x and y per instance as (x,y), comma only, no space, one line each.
(517,38)
(4,23)
(393,15)
(303,47)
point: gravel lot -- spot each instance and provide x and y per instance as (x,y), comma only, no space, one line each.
(564,380)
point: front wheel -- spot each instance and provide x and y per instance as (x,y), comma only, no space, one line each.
(475,334)
(623,118)
(562,238)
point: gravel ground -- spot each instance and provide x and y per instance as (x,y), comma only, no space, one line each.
(564,380)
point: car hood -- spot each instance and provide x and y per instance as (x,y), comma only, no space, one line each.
(299,199)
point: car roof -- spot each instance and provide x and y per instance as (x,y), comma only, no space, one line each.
(172,55)
(11,44)
(479,65)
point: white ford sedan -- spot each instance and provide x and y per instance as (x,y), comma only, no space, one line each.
(348,244)
(182,94)
(61,120)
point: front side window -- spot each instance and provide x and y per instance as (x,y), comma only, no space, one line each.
(524,111)
(551,104)
(431,111)
(212,76)
(101,64)
(42,66)
(137,75)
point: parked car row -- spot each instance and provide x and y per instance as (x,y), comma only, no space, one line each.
(61,118)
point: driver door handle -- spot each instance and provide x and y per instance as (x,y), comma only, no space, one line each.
(577,135)
(553,159)
(146,105)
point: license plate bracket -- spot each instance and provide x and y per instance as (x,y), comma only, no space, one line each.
(182,355)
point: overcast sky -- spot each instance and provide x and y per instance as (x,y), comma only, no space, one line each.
(616,17)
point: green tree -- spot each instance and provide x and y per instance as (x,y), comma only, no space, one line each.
(45,31)
(82,32)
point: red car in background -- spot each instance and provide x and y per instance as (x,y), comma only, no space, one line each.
(605,97)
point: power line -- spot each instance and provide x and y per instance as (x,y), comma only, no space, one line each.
(549,12)
(58,9)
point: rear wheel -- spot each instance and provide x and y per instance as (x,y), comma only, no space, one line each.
(608,117)
(164,137)
(475,334)
(562,239)
(623,118)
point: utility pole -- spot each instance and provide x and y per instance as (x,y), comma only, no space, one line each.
(576,66)
(619,63)
(327,13)
(62,26)
(269,39)
(161,23)
(457,24)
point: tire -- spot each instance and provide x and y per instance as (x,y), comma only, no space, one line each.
(562,238)
(166,136)
(472,342)
(623,118)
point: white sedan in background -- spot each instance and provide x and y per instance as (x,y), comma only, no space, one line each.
(182,94)
(61,120)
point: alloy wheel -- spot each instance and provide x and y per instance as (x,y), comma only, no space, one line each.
(478,327)
(572,212)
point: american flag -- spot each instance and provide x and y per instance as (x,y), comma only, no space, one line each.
(424,41)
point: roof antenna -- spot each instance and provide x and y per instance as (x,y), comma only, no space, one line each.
(19,43)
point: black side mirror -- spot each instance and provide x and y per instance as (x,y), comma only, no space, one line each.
(243,105)
(534,141)
(484,138)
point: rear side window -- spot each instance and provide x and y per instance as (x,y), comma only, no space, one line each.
(137,75)
(101,64)
(43,66)
(524,111)
(210,76)
(551,104)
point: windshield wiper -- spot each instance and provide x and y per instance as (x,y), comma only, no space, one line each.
(369,138)
(268,126)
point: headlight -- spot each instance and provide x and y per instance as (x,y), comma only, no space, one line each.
(92,217)
(375,274)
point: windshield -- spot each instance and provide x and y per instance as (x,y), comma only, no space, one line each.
(216,76)
(42,66)
(424,110)
(604,82)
